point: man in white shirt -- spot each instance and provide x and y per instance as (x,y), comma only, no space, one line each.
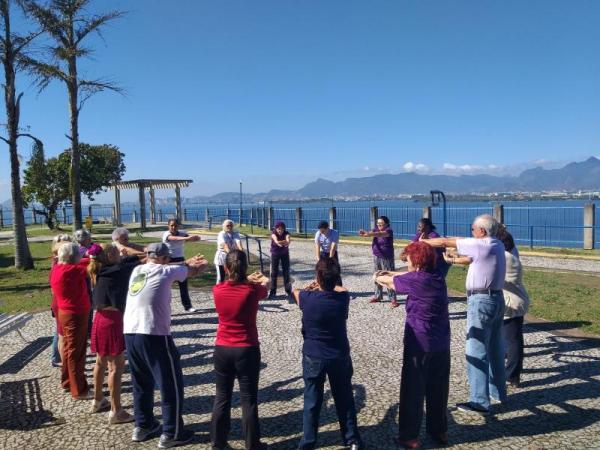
(153,357)
(485,310)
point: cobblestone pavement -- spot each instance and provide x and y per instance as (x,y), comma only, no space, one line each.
(557,407)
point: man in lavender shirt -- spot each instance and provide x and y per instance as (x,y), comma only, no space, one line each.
(484,347)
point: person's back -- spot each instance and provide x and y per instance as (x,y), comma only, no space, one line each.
(148,306)
(326,353)
(488,268)
(237,307)
(324,315)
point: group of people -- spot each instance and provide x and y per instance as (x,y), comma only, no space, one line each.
(129,287)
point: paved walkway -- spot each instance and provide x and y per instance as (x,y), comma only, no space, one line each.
(557,407)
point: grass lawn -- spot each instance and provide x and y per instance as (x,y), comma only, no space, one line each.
(571,298)
(29,290)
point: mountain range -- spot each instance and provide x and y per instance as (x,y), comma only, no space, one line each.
(584,175)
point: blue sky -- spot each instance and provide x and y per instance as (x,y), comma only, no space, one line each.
(278,93)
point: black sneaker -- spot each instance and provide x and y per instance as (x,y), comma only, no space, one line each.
(143,434)
(472,408)
(184,437)
(272,295)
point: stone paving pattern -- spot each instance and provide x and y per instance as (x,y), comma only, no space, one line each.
(558,405)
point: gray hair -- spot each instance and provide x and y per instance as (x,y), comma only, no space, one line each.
(82,235)
(118,233)
(62,238)
(227,222)
(68,253)
(488,223)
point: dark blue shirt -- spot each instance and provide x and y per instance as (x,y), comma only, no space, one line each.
(324,315)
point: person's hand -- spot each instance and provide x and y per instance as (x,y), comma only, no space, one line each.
(124,252)
(257,278)
(362,232)
(448,258)
(194,238)
(312,286)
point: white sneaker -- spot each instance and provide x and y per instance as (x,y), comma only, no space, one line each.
(120,416)
(99,406)
(191,310)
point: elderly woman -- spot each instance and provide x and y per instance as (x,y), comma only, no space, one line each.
(120,238)
(426,360)
(383,254)
(110,274)
(57,340)
(516,302)
(280,252)
(237,351)
(326,353)
(227,240)
(68,283)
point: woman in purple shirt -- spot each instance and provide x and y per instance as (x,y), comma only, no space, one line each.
(426,230)
(426,360)
(383,254)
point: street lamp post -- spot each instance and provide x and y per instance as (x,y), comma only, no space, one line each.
(241,203)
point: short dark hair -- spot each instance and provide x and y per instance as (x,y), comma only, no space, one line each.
(385,219)
(323,224)
(507,240)
(236,263)
(426,221)
(328,272)
(173,220)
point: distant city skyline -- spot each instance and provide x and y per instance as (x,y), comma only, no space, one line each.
(280,93)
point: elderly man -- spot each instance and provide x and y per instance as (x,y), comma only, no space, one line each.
(153,357)
(484,348)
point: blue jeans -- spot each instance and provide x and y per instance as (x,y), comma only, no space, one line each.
(485,348)
(55,355)
(339,372)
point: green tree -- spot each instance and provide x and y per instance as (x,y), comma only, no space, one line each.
(47,180)
(67,24)
(14,56)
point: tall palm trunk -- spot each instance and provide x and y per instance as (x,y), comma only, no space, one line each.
(23,258)
(72,86)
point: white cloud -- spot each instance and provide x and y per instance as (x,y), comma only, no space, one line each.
(415,167)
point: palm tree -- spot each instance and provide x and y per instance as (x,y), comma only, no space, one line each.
(67,24)
(13,55)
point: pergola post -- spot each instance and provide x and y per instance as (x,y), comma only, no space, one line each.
(152,206)
(117,207)
(142,206)
(178,203)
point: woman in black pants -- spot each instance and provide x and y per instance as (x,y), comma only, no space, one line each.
(280,252)
(516,303)
(426,359)
(237,351)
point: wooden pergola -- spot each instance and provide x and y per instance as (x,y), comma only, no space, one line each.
(151,185)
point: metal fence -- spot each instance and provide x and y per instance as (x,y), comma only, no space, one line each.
(533,226)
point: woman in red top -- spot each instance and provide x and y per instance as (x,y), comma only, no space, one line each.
(237,351)
(68,283)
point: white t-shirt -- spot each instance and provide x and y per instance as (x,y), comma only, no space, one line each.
(175,246)
(489,264)
(148,308)
(229,238)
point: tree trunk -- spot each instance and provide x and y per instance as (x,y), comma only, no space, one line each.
(23,259)
(75,157)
